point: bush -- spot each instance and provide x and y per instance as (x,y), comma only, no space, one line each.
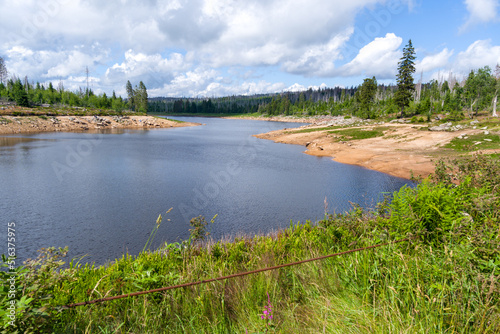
(429,209)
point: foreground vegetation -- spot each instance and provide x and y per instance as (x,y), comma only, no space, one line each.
(445,279)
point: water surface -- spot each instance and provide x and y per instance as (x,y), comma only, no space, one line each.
(100,193)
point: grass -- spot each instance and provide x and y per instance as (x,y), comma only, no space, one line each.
(309,130)
(475,142)
(170,119)
(445,280)
(359,133)
(5,120)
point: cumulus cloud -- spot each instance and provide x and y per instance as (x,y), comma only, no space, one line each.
(153,69)
(318,60)
(480,11)
(48,64)
(301,33)
(479,54)
(378,58)
(209,83)
(298,87)
(435,61)
(179,46)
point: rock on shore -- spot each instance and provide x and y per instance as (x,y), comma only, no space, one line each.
(33,124)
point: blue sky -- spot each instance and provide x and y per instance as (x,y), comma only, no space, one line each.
(230,47)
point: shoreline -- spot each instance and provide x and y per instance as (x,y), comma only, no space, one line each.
(35,124)
(284,119)
(403,151)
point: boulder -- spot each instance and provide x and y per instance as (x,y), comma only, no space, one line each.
(442,127)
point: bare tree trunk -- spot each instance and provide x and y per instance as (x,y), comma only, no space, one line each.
(471,114)
(495,106)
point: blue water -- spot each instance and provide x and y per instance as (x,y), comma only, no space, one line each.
(100,193)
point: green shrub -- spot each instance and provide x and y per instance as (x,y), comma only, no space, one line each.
(429,209)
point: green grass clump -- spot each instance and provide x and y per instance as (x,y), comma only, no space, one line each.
(309,130)
(475,142)
(5,120)
(175,120)
(446,279)
(360,133)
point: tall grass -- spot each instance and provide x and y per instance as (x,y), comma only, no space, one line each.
(444,280)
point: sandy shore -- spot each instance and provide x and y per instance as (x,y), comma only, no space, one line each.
(33,124)
(404,149)
(290,119)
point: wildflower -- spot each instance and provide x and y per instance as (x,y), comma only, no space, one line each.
(268,311)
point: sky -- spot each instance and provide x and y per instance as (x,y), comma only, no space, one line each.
(211,48)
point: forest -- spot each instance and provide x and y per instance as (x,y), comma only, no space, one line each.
(28,94)
(458,98)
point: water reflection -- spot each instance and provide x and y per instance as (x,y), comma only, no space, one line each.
(11,141)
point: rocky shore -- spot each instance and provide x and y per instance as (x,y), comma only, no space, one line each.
(34,124)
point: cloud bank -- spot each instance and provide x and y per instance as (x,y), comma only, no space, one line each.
(217,47)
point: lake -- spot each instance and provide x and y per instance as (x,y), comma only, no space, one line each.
(101,193)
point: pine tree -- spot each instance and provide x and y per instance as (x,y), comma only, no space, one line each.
(406,68)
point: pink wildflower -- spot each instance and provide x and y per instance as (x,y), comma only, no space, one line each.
(268,311)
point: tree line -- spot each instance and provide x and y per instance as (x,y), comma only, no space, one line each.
(28,94)
(221,105)
(454,97)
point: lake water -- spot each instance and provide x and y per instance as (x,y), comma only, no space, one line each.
(100,193)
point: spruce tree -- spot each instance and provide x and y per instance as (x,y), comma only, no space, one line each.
(19,94)
(142,98)
(130,95)
(406,68)
(366,97)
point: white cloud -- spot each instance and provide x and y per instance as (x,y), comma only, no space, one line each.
(441,65)
(378,58)
(153,69)
(479,54)
(300,33)
(209,83)
(318,60)
(298,87)
(432,62)
(480,11)
(179,46)
(47,64)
